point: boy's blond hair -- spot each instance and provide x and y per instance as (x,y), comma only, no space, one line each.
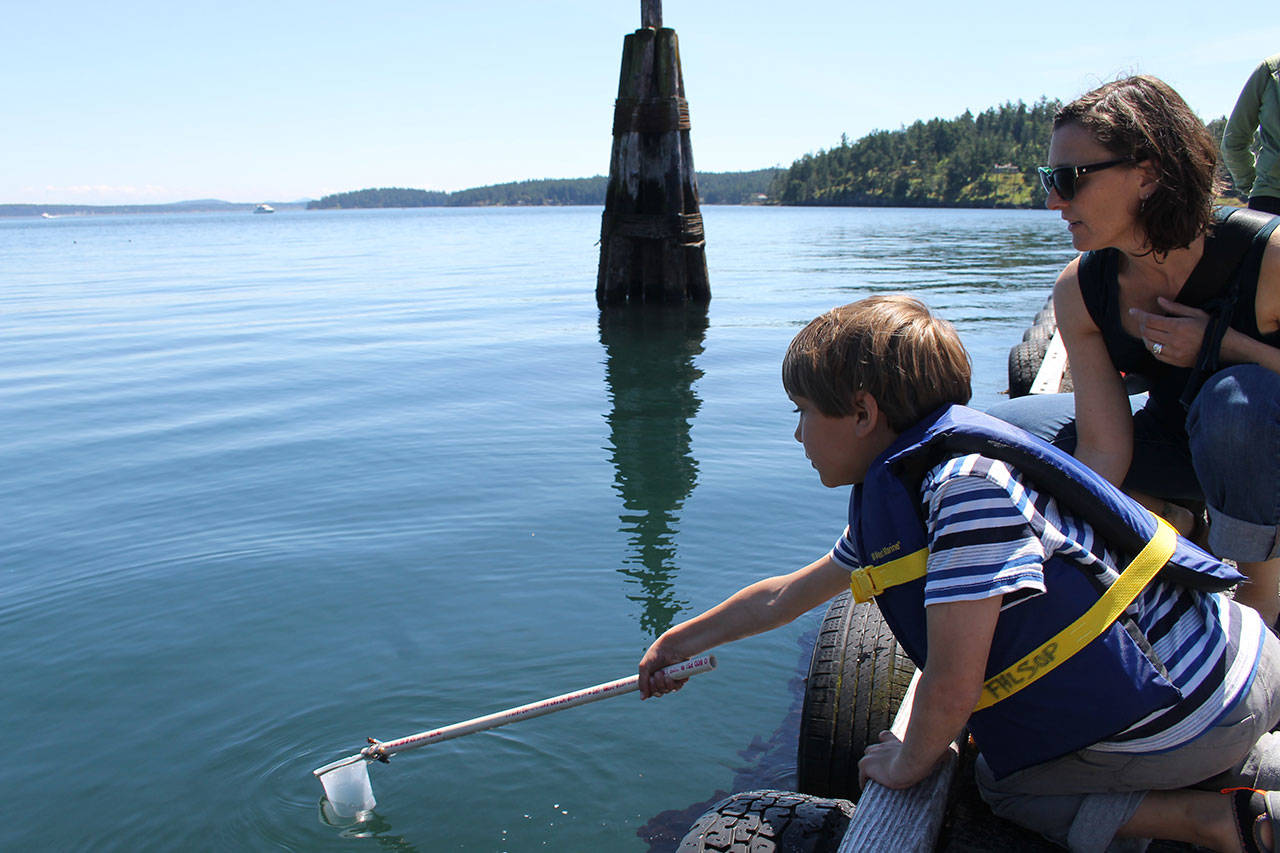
(890,346)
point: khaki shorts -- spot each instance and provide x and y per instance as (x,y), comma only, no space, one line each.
(1082,799)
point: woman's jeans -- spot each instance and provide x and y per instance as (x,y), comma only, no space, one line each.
(1229,456)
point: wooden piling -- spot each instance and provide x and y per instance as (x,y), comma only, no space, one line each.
(652,246)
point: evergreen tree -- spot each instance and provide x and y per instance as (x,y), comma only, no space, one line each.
(987,160)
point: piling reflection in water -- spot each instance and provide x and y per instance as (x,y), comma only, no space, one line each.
(650,372)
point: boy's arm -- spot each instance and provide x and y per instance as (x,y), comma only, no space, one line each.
(959,641)
(763,605)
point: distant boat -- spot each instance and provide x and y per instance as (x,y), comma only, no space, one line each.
(46,216)
(264,208)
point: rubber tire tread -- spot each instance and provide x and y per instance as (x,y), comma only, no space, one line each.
(768,821)
(1039,333)
(858,676)
(1024,363)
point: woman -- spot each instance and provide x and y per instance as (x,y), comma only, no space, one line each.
(1132,172)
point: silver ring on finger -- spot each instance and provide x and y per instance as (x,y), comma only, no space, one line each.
(1157,348)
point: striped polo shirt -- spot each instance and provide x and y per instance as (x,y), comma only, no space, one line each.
(990,533)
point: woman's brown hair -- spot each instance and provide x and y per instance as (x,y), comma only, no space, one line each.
(890,346)
(1144,118)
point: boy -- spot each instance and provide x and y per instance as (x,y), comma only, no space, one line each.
(1021,583)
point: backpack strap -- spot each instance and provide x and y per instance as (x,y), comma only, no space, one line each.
(1232,238)
(1256,227)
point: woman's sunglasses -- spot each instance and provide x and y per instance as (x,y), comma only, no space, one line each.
(1063,178)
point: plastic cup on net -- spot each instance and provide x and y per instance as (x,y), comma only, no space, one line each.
(347,787)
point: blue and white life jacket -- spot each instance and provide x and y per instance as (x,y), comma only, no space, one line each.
(1081,697)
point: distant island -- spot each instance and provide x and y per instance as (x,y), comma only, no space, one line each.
(988,160)
(985,161)
(203,205)
(713,188)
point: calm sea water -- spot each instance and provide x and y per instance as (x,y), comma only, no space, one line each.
(273,484)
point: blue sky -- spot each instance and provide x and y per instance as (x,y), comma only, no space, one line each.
(142,102)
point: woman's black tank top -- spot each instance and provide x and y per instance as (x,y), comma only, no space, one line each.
(1100,288)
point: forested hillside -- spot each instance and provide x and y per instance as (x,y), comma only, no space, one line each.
(988,160)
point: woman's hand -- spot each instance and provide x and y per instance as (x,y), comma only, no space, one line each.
(885,762)
(1175,336)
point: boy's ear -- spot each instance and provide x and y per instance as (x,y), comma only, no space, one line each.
(866,413)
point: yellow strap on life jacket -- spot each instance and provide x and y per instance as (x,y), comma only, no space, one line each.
(1088,627)
(870,581)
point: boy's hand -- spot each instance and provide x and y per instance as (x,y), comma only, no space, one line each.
(950,685)
(763,605)
(886,763)
(653,682)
